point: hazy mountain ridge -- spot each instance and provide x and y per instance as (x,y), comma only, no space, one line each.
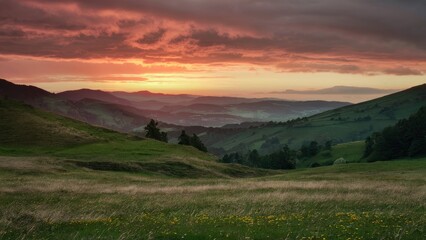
(77,95)
(341,90)
(211,111)
(182,109)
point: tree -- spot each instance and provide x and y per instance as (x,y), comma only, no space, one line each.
(368,147)
(233,158)
(184,139)
(313,148)
(304,150)
(417,147)
(226,159)
(282,159)
(152,131)
(254,158)
(195,141)
(328,145)
(164,137)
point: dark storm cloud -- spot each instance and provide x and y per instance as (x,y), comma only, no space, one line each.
(388,33)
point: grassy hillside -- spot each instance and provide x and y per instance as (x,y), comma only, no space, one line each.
(351,153)
(24,126)
(26,131)
(42,198)
(346,124)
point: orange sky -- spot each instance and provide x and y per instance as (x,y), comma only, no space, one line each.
(253,48)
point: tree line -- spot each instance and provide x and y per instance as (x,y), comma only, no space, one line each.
(407,138)
(284,158)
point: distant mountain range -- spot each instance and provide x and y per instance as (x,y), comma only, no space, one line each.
(342,90)
(126,112)
(246,123)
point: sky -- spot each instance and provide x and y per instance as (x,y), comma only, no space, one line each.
(291,49)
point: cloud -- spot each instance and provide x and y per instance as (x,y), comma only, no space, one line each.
(152,37)
(321,66)
(39,70)
(403,71)
(340,90)
(306,36)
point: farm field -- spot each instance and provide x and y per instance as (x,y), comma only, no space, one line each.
(51,198)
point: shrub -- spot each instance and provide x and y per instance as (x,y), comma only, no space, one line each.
(339,161)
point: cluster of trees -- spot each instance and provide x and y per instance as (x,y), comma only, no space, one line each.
(285,158)
(405,139)
(152,131)
(194,141)
(288,123)
(313,148)
(281,158)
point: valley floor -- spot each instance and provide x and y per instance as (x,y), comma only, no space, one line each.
(41,198)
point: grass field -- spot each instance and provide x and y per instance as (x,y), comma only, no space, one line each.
(50,198)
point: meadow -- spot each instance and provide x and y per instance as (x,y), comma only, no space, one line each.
(63,179)
(52,198)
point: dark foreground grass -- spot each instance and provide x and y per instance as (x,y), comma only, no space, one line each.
(48,199)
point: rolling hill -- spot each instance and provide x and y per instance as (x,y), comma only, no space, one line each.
(108,113)
(22,92)
(345,124)
(27,131)
(24,126)
(113,116)
(77,95)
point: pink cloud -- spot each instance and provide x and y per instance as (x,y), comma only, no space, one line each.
(295,36)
